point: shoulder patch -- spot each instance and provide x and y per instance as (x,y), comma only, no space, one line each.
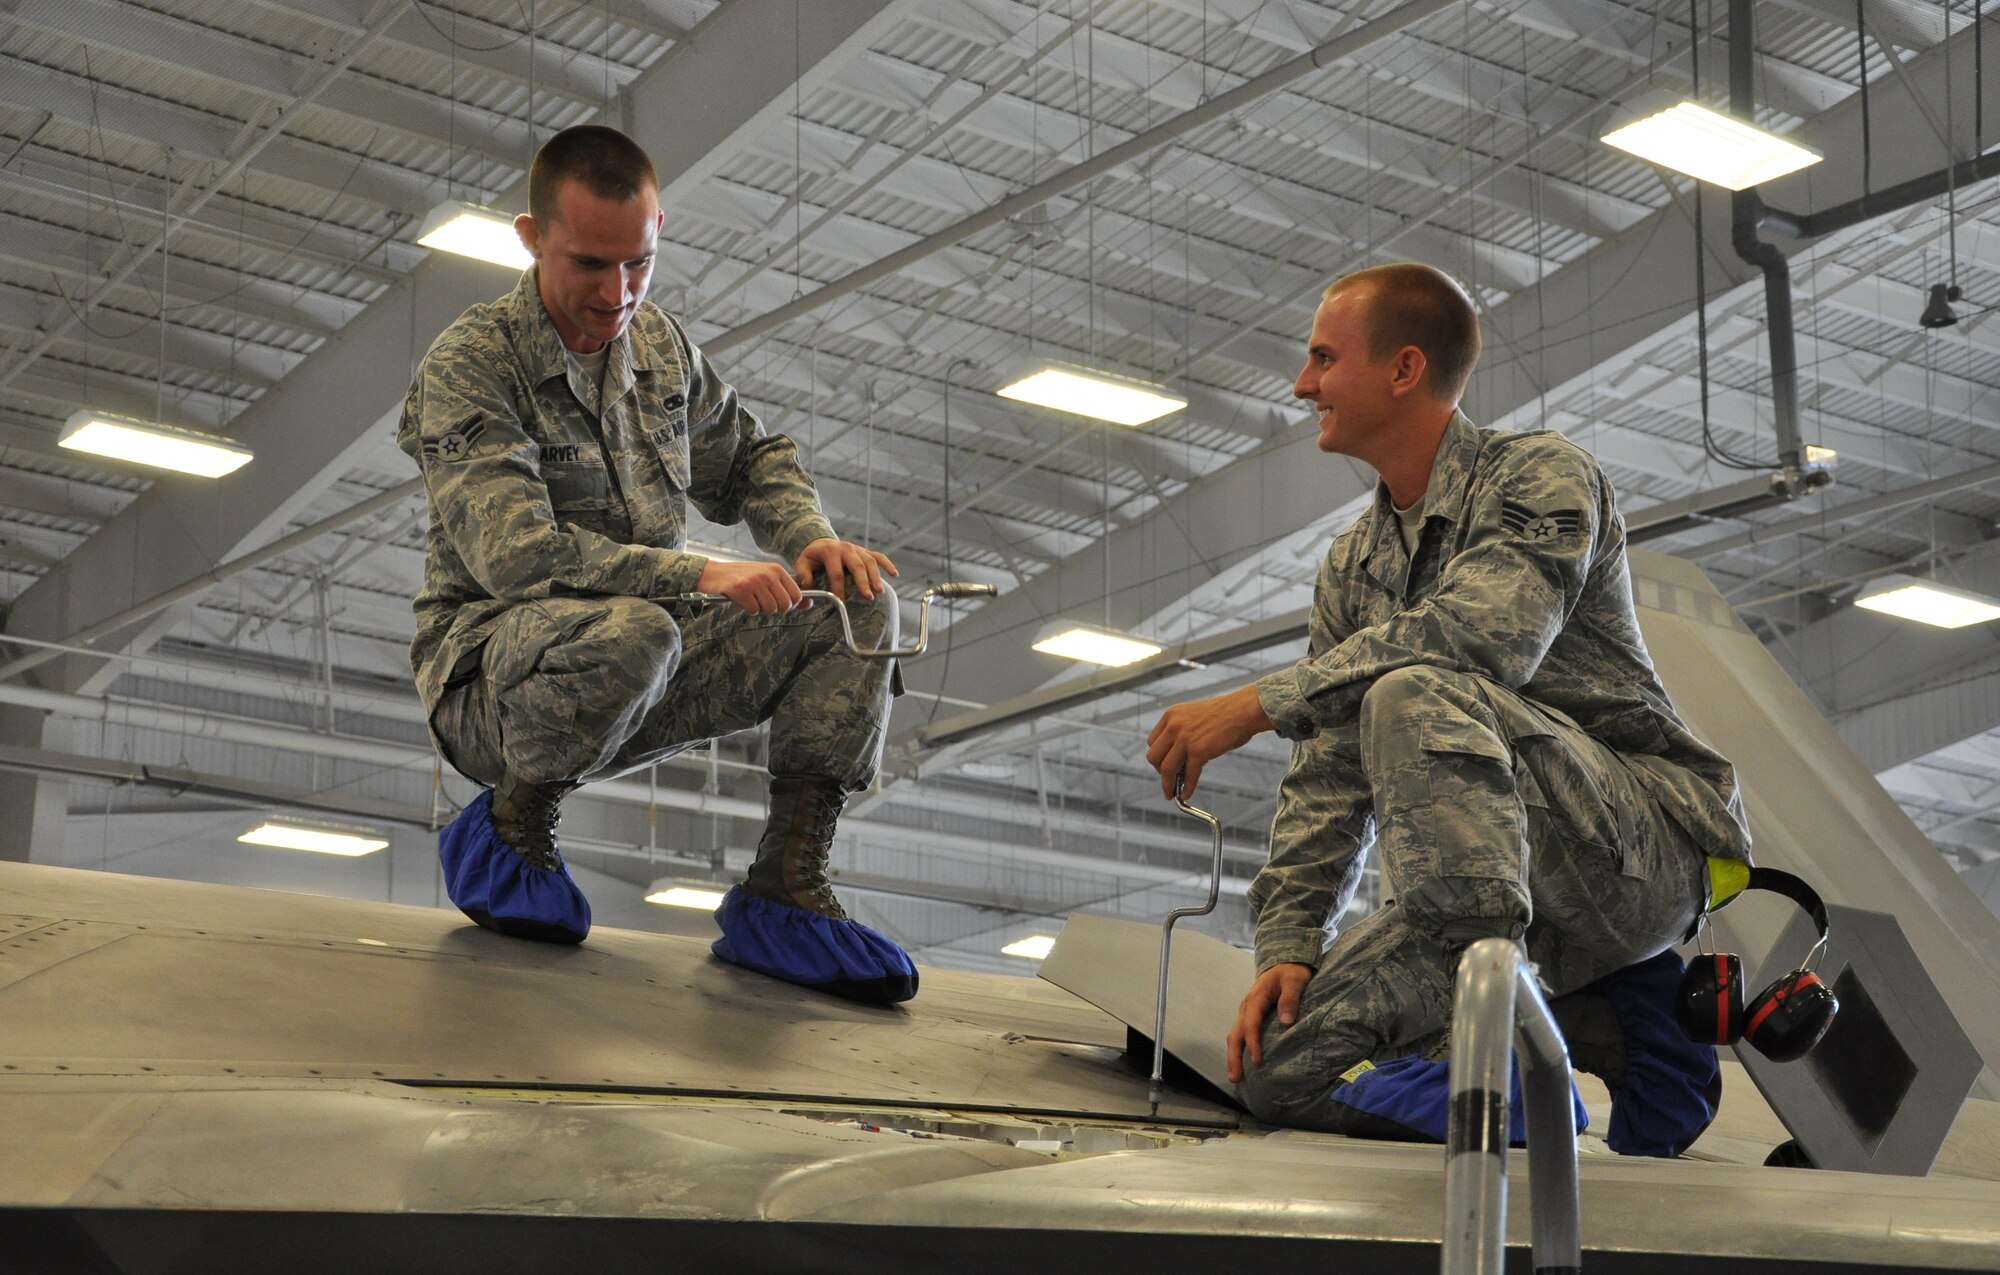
(456,443)
(1519,520)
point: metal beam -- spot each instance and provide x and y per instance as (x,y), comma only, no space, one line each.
(1894,731)
(1113,158)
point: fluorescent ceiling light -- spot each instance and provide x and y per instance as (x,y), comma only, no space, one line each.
(184,451)
(1090,394)
(319,840)
(1034,948)
(1927,602)
(1711,146)
(683,896)
(1095,646)
(476,231)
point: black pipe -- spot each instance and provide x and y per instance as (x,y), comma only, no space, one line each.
(1917,190)
(1747,217)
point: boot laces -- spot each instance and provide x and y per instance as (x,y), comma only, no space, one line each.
(527,821)
(810,866)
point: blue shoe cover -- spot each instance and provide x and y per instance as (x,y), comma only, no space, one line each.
(501,890)
(1409,1100)
(1672,1084)
(843,958)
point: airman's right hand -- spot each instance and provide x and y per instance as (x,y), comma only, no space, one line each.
(761,588)
(1279,986)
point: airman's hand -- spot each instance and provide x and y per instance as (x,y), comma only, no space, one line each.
(1278,986)
(839,561)
(1189,736)
(761,588)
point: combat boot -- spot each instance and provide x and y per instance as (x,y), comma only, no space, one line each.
(525,816)
(791,859)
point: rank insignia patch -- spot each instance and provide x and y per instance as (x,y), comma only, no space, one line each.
(457,443)
(1524,522)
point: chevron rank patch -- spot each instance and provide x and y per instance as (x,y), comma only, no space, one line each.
(1519,520)
(455,444)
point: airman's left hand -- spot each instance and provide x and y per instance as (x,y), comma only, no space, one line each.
(839,561)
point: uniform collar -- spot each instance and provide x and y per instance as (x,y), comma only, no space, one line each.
(1451,471)
(1444,497)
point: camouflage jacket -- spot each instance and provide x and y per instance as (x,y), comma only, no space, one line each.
(1519,577)
(539,490)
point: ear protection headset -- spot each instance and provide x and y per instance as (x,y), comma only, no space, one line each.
(1786,1019)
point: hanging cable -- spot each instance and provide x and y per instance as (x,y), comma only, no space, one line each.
(944,666)
(1861,54)
(1951,164)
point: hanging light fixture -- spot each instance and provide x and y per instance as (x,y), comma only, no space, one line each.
(669,893)
(184,451)
(1927,602)
(1710,146)
(318,838)
(476,231)
(1035,947)
(1090,644)
(1106,398)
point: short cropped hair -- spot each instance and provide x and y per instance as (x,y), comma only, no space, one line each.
(1409,303)
(610,164)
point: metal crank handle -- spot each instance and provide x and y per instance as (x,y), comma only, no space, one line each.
(1156,1089)
(948,589)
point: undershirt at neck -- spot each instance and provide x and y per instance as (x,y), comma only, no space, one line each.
(594,366)
(1410,525)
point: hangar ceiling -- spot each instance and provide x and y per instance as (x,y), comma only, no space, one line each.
(208,210)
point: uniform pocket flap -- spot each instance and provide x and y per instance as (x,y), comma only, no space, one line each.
(1467,738)
(674,459)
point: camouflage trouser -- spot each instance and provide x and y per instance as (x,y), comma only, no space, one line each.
(589,688)
(1492,813)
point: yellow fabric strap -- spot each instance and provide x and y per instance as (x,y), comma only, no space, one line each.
(1726,879)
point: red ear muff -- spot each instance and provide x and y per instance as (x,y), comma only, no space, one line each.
(1788,1018)
(1710,1004)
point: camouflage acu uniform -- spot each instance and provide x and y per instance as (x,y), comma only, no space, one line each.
(559,508)
(1485,712)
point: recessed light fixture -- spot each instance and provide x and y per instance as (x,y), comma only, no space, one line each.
(1093,394)
(1033,948)
(1094,646)
(1927,602)
(673,895)
(184,451)
(1710,146)
(287,834)
(476,231)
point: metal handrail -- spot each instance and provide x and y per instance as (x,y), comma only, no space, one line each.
(949,589)
(1157,1088)
(1495,1005)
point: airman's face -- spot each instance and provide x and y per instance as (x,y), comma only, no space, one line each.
(595,260)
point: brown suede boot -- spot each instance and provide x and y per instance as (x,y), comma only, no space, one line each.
(791,859)
(525,815)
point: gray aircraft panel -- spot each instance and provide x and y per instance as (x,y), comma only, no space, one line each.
(186,1077)
(1310,1185)
(1114,963)
(1814,808)
(247,984)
